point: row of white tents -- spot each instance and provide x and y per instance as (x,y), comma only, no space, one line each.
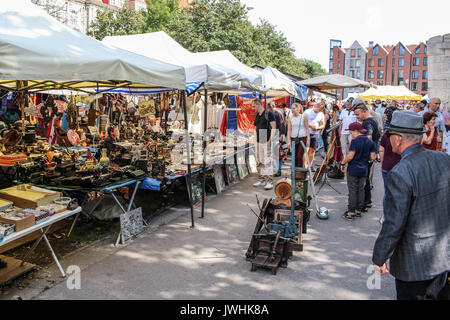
(37,48)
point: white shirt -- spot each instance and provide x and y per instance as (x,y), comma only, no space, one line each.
(314,119)
(347,117)
(298,129)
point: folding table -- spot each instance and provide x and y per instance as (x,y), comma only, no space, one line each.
(43,227)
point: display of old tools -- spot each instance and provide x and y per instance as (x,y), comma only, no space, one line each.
(279,228)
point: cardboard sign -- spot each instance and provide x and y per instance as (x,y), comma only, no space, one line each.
(219,179)
(131,224)
(242,165)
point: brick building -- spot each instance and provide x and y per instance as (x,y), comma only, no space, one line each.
(79,14)
(385,65)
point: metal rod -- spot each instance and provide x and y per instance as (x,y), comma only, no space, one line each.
(205,125)
(73,224)
(133,195)
(292,218)
(54,257)
(311,182)
(188,151)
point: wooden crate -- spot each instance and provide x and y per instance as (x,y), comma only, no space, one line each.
(21,224)
(25,196)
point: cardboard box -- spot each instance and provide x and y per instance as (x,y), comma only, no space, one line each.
(20,224)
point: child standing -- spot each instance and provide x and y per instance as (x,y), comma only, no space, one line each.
(362,149)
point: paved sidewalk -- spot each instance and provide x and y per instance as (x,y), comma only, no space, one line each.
(172,261)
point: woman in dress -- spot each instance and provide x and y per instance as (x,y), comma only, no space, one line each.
(429,139)
(298,130)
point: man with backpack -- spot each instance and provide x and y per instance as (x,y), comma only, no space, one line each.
(266,131)
(280,120)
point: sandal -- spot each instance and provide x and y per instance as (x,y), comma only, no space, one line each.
(348,216)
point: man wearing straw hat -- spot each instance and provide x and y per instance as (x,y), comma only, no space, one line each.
(415,232)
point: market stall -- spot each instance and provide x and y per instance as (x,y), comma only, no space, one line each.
(390,93)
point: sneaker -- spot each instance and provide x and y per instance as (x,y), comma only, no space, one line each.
(258,183)
(268,186)
(357,215)
(381,220)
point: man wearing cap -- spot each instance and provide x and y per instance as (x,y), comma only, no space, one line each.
(346,117)
(373,133)
(415,232)
(361,151)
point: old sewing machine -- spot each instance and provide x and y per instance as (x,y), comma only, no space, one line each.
(279,228)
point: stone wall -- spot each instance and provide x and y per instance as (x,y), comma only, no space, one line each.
(439,68)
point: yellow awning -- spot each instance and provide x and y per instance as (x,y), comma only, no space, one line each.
(390,93)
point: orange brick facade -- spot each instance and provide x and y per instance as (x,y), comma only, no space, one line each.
(391,65)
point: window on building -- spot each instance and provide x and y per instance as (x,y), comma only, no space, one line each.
(425,61)
(380,74)
(401,50)
(352,73)
(381,62)
(335,43)
(393,62)
(331,66)
(400,77)
(424,86)
(416,61)
(371,62)
(352,63)
(375,51)
(415,74)
(339,65)
(401,62)
(418,49)
(353,53)
(393,77)
(331,54)
(425,49)
(358,74)
(393,52)
(359,52)
(371,74)
(358,63)
(379,83)
(414,86)
(425,74)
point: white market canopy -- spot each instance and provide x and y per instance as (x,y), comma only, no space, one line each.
(209,67)
(249,78)
(334,81)
(41,50)
(390,92)
(278,84)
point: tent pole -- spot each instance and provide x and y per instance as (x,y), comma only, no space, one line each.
(187,140)
(205,125)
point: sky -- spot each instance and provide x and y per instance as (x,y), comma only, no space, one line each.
(310,24)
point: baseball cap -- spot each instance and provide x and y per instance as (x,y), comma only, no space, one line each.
(356,126)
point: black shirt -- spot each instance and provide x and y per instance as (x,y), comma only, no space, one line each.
(371,125)
(262,124)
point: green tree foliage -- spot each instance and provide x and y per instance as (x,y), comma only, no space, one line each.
(210,25)
(160,14)
(109,23)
